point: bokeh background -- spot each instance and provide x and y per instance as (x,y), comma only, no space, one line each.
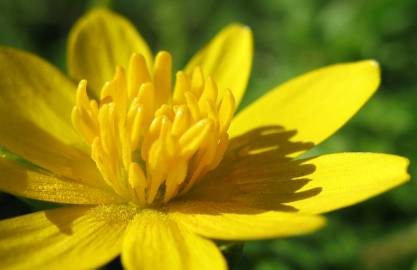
(291,37)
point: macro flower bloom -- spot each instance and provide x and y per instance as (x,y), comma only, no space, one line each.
(151,170)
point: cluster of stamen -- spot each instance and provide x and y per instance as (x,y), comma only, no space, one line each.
(151,141)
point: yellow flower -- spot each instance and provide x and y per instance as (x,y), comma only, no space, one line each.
(153,170)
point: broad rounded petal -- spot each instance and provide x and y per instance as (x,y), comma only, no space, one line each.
(349,178)
(155,242)
(228,59)
(100,41)
(35,184)
(314,105)
(231,221)
(64,238)
(35,111)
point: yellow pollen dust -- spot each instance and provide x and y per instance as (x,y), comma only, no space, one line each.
(151,141)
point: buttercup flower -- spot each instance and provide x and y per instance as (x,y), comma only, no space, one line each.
(151,170)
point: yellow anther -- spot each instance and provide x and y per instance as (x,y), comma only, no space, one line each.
(94,109)
(105,127)
(175,178)
(120,94)
(137,181)
(197,82)
(166,126)
(221,149)
(137,129)
(103,164)
(150,142)
(210,90)
(146,95)
(107,91)
(162,77)
(126,147)
(182,85)
(81,95)
(131,113)
(226,110)
(195,136)
(158,160)
(165,110)
(208,109)
(151,136)
(80,123)
(138,74)
(84,113)
(192,104)
(182,120)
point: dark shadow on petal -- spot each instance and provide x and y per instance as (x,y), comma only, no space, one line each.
(258,172)
(101,215)
(65,220)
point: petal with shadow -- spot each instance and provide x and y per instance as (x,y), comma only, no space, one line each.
(316,104)
(315,185)
(64,238)
(257,172)
(349,178)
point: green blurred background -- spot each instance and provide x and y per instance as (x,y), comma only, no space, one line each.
(291,37)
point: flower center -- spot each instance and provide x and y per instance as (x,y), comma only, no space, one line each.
(151,142)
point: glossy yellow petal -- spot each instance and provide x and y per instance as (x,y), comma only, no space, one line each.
(35,109)
(227,59)
(35,184)
(314,105)
(34,89)
(65,238)
(266,180)
(349,178)
(231,221)
(100,41)
(155,242)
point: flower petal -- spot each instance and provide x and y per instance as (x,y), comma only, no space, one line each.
(35,184)
(313,186)
(37,91)
(153,241)
(98,42)
(35,111)
(228,59)
(316,104)
(349,178)
(230,221)
(64,238)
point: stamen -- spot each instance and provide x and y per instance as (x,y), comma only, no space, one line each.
(138,74)
(150,142)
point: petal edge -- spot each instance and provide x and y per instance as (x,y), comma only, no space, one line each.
(98,42)
(314,105)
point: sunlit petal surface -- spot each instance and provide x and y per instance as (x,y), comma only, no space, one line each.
(67,238)
(154,241)
(228,59)
(314,105)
